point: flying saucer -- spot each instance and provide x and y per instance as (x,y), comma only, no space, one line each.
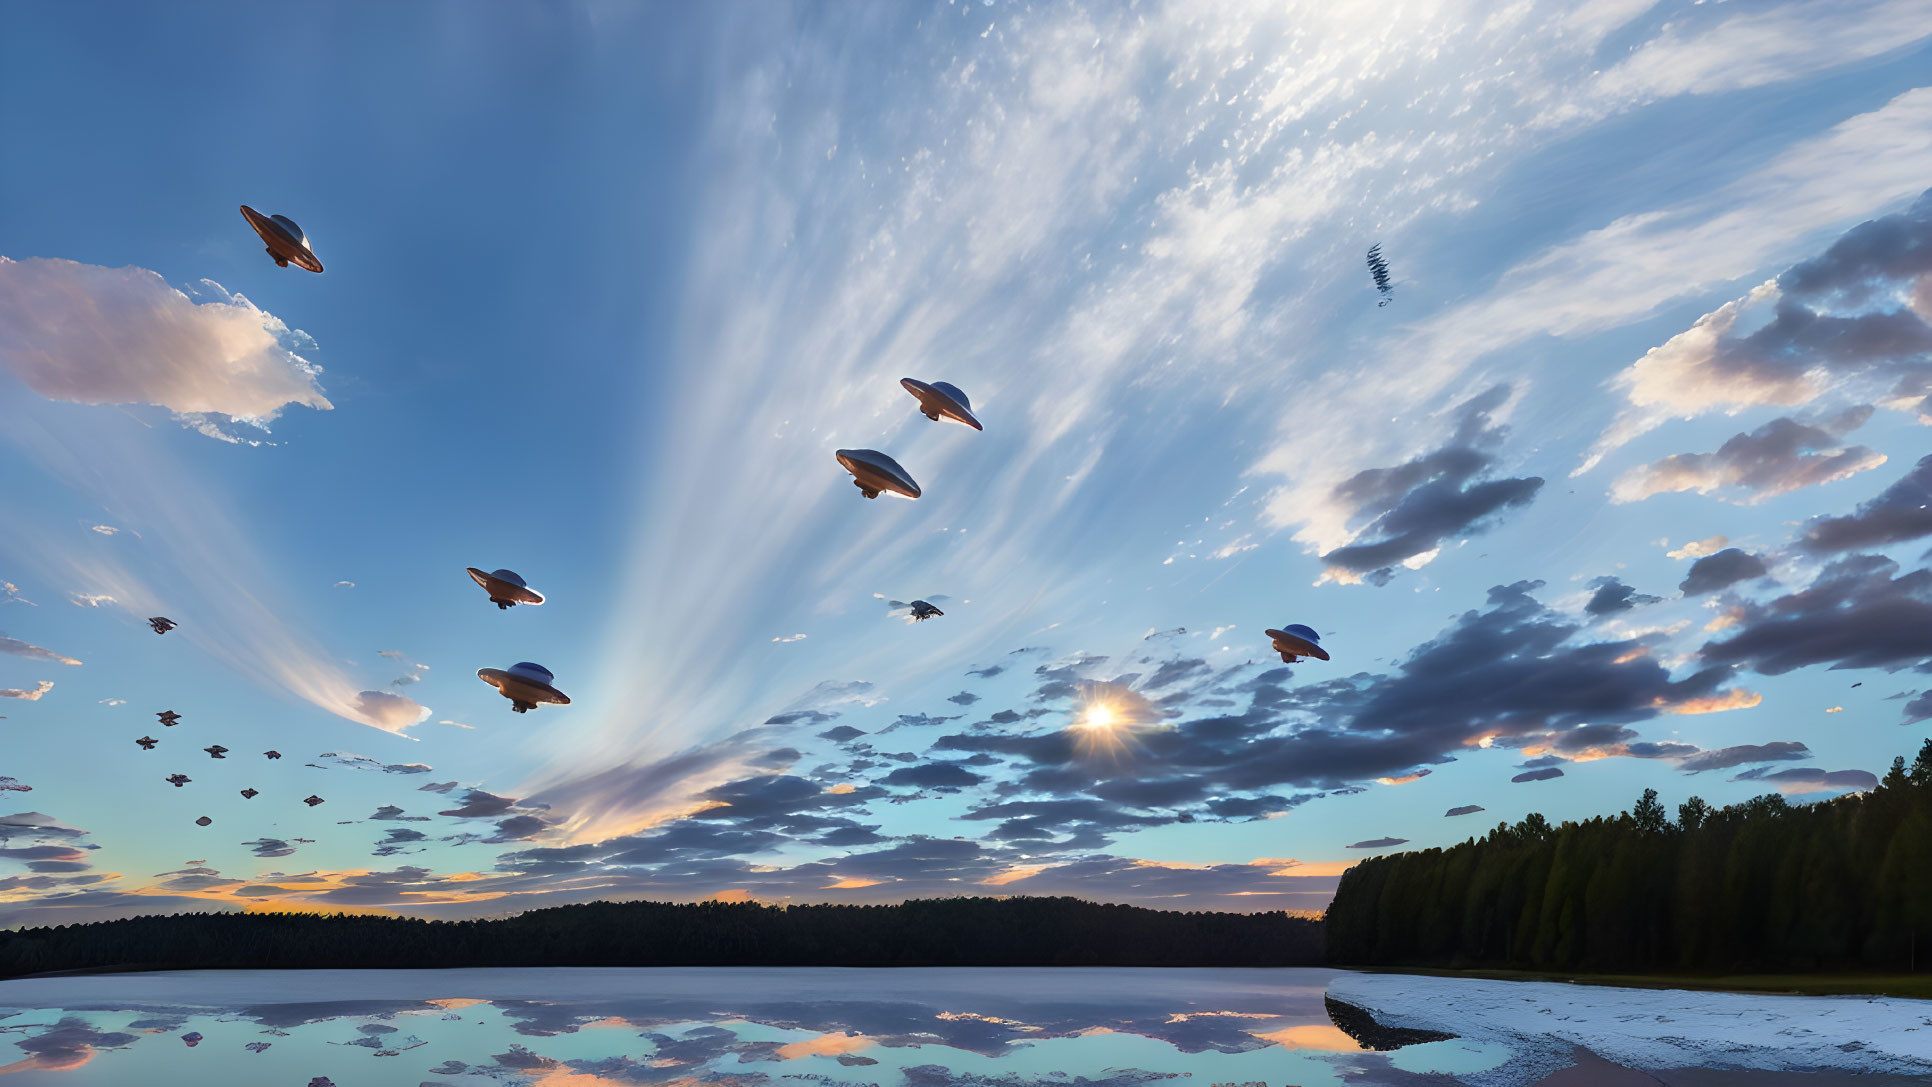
(285,241)
(311,800)
(874,473)
(147,743)
(526,685)
(162,624)
(194,1036)
(168,717)
(201,822)
(1296,641)
(941,400)
(249,794)
(507,588)
(216,751)
(177,780)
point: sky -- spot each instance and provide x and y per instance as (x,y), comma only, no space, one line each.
(1626,485)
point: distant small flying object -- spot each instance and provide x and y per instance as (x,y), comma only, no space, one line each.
(177,780)
(285,241)
(941,399)
(162,624)
(916,611)
(194,1036)
(168,717)
(273,754)
(216,751)
(1296,641)
(312,800)
(507,589)
(1379,271)
(147,743)
(1860,683)
(249,794)
(526,685)
(874,473)
(201,822)
(321,1081)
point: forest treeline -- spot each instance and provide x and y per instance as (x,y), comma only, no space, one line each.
(1759,886)
(927,932)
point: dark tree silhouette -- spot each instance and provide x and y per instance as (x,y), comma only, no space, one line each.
(1758,886)
(927,932)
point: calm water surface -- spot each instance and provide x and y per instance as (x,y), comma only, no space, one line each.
(768,1027)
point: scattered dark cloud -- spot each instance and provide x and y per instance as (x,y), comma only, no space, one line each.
(915,720)
(1173,672)
(1613,596)
(1514,675)
(1901,512)
(937,776)
(189,880)
(797,717)
(392,813)
(1918,709)
(1379,843)
(1781,456)
(1720,571)
(963,698)
(1854,315)
(1859,612)
(1464,809)
(1723,758)
(353,761)
(70,1043)
(1808,779)
(395,839)
(1411,509)
(479,804)
(1541,773)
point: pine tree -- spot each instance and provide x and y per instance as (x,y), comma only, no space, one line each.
(1691,814)
(1649,814)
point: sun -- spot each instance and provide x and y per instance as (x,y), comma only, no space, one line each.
(1100,717)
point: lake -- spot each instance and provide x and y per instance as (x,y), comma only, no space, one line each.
(907,1028)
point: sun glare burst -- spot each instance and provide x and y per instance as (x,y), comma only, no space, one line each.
(1099,717)
(1109,720)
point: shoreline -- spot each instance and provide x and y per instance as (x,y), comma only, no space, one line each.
(1665,1033)
(1897,986)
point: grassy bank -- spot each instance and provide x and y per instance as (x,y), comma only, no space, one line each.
(1913,986)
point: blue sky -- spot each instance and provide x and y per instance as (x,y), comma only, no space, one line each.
(607,284)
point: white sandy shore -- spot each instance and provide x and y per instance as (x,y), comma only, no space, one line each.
(1657,1029)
